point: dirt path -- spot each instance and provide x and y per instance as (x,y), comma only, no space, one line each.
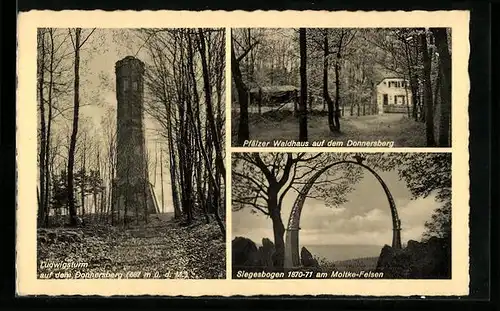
(395,127)
(162,248)
(373,122)
(156,248)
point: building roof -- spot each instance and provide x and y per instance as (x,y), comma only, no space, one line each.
(391,78)
(275,89)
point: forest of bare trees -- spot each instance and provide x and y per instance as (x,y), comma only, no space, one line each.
(187,100)
(343,68)
(183,135)
(65,167)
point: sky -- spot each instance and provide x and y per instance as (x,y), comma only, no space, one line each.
(364,220)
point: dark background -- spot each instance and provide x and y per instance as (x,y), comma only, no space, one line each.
(483,127)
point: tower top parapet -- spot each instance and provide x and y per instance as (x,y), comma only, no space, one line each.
(130,62)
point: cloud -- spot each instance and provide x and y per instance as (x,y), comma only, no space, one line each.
(416,212)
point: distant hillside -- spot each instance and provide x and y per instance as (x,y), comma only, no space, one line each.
(334,253)
(356,265)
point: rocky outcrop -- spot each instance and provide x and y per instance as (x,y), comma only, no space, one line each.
(419,260)
(246,254)
(307,259)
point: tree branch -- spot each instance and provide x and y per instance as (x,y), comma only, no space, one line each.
(239,58)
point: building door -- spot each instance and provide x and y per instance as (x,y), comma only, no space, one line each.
(386,100)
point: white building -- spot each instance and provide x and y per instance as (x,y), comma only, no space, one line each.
(393,95)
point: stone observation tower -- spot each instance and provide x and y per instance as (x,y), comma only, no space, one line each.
(133,192)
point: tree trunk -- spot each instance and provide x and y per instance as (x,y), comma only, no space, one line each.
(259,101)
(303,87)
(241,89)
(414,99)
(42,155)
(72,146)
(437,87)
(326,95)
(407,102)
(161,180)
(222,227)
(38,201)
(429,115)
(145,189)
(278,231)
(173,169)
(208,101)
(337,93)
(49,128)
(111,185)
(409,64)
(83,176)
(441,37)
(95,204)
(310,101)
(155,173)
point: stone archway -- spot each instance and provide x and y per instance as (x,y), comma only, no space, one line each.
(292,258)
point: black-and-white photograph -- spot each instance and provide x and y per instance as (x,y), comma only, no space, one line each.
(131,153)
(341,215)
(341,87)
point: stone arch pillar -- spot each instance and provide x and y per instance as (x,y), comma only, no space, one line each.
(292,258)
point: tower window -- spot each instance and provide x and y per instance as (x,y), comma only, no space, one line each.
(125,84)
(134,85)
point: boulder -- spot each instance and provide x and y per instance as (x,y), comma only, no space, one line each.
(49,236)
(245,252)
(266,253)
(70,237)
(307,259)
(386,255)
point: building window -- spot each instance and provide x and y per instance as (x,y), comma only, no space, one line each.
(134,85)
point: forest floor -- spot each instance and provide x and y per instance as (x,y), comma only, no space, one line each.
(160,249)
(396,127)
